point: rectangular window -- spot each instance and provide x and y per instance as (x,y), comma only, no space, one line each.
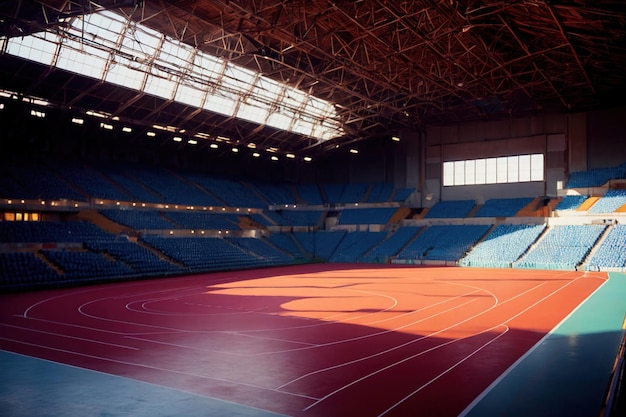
(536,167)
(513,168)
(524,168)
(490,171)
(481,171)
(469,173)
(448,174)
(501,170)
(459,173)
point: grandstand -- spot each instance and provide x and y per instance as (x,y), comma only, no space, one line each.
(146,140)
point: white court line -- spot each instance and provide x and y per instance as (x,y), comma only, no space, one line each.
(26,313)
(383,352)
(447,370)
(312,345)
(146,310)
(69,337)
(248,333)
(130,323)
(140,365)
(467,319)
(226,352)
(95,329)
(408,358)
(510,369)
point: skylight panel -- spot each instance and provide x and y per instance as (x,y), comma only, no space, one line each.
(72,57)
(293,99)
(238,79)
(268,89)
(174,55)
(101,23)
(143,39)
(192,95)
(160,85)
(255,111)
(35,48)
(108,47)
(121,74)
(304,127)
(280,121)
(208,67)
(221,102)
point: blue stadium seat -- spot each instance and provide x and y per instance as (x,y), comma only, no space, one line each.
(450,209)
(562,247)
(503,246)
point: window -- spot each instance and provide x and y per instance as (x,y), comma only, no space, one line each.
(502,170)
(109,47)
(536,167)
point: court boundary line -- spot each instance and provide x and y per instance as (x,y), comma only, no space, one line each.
(511,368)
(568,283)
(277,390)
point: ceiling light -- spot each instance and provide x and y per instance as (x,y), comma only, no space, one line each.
(177,139)
(274,158)
(127,129)
(106,126)
(395,138)
(77,120)
(37,101)
(290,156)
(256,154)
(235,150)
(151,134)
(308,158)
(355,151)
(192,142)
(213,146)
(96,114)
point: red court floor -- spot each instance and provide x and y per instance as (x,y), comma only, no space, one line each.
(313,340)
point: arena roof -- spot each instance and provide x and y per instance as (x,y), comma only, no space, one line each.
(384,65)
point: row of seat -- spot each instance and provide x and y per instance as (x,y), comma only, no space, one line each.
(596,177)
(73,180)
(562,247)
(611,253)
(103,255)
(503,246)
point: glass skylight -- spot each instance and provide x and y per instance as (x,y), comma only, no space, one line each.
(108,47)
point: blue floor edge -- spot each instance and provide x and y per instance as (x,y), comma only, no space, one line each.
(567,372)
(36,387)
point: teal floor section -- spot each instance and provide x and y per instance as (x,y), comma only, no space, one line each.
(32,387)
(568,372)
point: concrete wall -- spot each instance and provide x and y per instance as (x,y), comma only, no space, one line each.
(545,134)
